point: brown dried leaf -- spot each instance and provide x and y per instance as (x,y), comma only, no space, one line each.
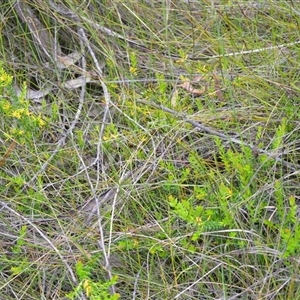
(218,88)
(198,78)
(190,89)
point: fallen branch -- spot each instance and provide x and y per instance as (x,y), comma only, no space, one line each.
(223,136)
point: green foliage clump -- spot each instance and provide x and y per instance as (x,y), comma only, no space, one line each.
(20,124)
(93,290)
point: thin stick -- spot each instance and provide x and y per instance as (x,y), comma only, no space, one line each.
(7,153)
(111,193)
(62,140)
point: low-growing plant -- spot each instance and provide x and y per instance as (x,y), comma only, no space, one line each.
(20,124)
(94,290)
(20,128)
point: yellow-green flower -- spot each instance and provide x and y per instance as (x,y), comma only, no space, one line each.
(17,132)
(5,79)
(5,105)
(18,113)
(40,121)
(87,287)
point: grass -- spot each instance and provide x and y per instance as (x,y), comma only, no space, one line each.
(187,112)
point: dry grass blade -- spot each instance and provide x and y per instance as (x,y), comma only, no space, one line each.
(43,236)
(38,30)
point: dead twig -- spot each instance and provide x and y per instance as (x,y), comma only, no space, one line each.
(223,136)
(7,153)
